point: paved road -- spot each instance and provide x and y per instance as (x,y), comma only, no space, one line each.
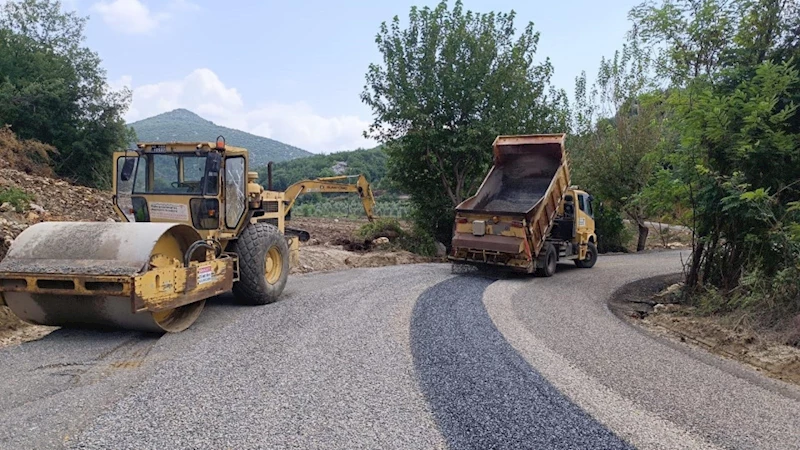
(397,357)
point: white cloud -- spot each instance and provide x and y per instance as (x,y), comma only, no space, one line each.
(123,81)
(206,95)
(134,17)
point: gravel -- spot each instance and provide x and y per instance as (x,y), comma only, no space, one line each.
(328,366)
(396,357)
(699,394)
(483,394)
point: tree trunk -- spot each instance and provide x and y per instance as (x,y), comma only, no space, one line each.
(643,232)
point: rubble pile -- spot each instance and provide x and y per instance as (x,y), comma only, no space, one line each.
(50,200)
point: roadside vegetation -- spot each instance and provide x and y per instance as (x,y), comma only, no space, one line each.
(54,90)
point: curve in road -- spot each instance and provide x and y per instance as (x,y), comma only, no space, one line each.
(397,357)
(482,392)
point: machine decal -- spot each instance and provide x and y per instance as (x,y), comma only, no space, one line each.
(582,222)
(205,274)
(169,211)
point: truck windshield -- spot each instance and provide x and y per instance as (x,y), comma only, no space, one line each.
(171,174)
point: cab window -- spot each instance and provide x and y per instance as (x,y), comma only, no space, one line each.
(585,204)
(235,185)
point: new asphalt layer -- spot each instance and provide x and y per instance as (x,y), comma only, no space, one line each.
(397,357)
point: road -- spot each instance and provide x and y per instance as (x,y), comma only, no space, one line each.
(397,357)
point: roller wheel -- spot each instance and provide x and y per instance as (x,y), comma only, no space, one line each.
(591,257)
(550,260)
(263,264)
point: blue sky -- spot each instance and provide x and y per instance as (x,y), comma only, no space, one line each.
(293,70)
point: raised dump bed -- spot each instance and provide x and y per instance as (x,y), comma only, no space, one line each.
(524,169)
(510,220)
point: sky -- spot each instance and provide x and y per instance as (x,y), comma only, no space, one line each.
(294,70)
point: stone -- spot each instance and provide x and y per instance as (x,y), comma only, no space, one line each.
(441,250)
(381,241)
(37,208)
(6,207)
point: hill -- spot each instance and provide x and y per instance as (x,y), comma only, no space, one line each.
(184,125)
(370,162)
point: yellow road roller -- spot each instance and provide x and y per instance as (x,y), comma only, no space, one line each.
(194,224)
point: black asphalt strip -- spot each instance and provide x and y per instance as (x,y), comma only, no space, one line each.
(483,394)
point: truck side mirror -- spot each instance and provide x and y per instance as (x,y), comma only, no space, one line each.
(127,169)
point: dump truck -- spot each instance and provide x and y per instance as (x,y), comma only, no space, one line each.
(194,223)
(526,216)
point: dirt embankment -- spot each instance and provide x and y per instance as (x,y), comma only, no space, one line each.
(652,304)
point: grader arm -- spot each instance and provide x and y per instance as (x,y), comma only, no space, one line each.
(331,185)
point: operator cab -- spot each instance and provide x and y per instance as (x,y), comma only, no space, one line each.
(184,183)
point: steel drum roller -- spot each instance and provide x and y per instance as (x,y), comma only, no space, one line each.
(91,249)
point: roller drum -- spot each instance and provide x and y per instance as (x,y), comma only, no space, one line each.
(96,249)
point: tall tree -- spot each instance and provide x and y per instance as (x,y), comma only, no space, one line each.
(734,98)
(619,134)
(52,88)
(450,82)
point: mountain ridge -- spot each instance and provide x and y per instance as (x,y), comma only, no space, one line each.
(184,125)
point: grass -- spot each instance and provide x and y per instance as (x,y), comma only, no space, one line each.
(18,198)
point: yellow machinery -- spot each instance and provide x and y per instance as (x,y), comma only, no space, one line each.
(525,215)
(195,223)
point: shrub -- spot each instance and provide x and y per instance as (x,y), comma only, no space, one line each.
(18,198)
(414,241)
(612,236)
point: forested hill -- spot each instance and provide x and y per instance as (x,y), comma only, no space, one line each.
(184,125)
(370,162)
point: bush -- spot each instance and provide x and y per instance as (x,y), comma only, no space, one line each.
(416,241)
(612,236)
(388,228)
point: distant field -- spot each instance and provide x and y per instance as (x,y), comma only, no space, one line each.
(349,207)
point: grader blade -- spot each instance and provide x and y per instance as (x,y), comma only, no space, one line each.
(140,276)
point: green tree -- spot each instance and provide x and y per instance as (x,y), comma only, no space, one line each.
(619,137)
(449,83)
(735,90)
(53,89)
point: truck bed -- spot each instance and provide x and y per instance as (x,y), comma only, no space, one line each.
(516,184)
(525,185)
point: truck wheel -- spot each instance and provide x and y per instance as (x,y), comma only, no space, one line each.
(591,257)
(550,261)
(263,264)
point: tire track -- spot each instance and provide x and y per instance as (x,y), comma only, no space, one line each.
(483,394)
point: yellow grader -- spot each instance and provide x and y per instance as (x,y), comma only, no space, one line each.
(194,224)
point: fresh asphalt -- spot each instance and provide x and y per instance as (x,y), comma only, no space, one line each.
(397,357)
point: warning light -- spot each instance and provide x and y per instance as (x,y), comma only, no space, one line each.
(220,143)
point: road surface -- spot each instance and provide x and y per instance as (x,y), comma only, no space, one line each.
(397,357)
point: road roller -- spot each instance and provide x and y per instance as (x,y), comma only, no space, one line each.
(194,223)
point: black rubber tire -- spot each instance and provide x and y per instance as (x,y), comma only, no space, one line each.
(551,261)
(252,248)
(591,257)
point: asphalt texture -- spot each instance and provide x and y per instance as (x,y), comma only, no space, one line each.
(482,392)
(398,357)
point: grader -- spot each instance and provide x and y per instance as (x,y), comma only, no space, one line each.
(194,224)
